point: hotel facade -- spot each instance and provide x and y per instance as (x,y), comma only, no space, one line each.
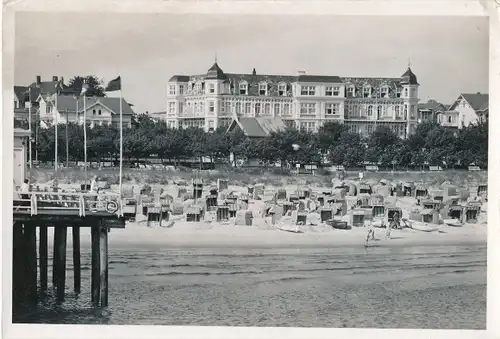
(305,101)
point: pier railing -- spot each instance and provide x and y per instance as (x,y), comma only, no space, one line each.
(81,204)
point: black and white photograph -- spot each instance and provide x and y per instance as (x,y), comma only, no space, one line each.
(263,170)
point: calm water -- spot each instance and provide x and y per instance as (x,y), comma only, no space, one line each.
(419,287)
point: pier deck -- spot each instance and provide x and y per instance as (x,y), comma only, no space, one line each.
(41,210)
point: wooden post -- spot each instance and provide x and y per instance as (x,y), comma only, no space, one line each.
(31,267)
(76,258)
(103,273)
(43,254)
(17,264)
(60,260)
(95,284)
(55,255)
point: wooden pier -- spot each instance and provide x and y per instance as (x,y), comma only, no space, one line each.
(37,211)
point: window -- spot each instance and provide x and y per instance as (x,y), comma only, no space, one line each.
(248,107)
(332,109)
(413,92)
(211,106)
(350,91)
(93,112)
(308,90)
(366,92)
(171,90)
(243,88)
(211,125)
(211,88)
(370,110)
(47,108)
(267,108)
(181,107)
(202,107)
(257,108)
(396,110)
(276,109)
(238,107)
(398,92)
(384,92)
(286,109)
(263,89)
(379,111)
(369,129)
(307,108)
(332,91)
(282,90)
(406,93)
(171,107)
(307,126)
(227,106)
(99,112)
(181,89)
(405,112)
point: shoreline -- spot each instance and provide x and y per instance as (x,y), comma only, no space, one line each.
(138,236)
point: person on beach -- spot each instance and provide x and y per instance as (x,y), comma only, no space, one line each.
(370,234)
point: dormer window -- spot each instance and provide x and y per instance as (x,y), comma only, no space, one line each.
(398,92)
(384,92)
(93,112)
(171,90)
(350,91)
(282,90)
(211,88)
(367,90)
(99,112)
(243,88)
(263,89)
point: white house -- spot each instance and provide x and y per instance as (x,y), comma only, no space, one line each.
(466,110)
(305,101)
(99,110)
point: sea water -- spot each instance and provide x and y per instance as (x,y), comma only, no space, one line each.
(442,287)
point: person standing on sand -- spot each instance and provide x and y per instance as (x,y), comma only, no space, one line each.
(370,234)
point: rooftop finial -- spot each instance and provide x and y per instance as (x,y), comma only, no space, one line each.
(215,57)
(409,62)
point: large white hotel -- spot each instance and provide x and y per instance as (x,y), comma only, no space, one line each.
(305,101)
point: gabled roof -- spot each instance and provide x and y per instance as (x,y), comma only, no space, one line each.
(68,103)
(433,105)
(478,101)
(48,87)
(259,127)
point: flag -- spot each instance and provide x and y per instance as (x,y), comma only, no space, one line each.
(114,85)
(85,88)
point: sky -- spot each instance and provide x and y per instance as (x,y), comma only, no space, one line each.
(449,55)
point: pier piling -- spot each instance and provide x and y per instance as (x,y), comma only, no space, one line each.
(30,262)
(60,260)
(96,263)
(103,272)
(76,259)
(43,258)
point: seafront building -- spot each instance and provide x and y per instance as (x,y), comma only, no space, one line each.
(468,109)
(305,101)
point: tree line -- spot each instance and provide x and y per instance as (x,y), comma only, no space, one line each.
(431,144)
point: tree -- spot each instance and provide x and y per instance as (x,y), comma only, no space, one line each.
(349,152)
(328,135)
(95,85)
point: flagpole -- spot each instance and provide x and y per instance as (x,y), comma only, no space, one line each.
(56,122)
(85,136)
(121,138)
(29,127)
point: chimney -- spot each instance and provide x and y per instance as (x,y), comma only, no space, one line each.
(301,72)
(38,79)
(55,78)
(478,93)
(254,72)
